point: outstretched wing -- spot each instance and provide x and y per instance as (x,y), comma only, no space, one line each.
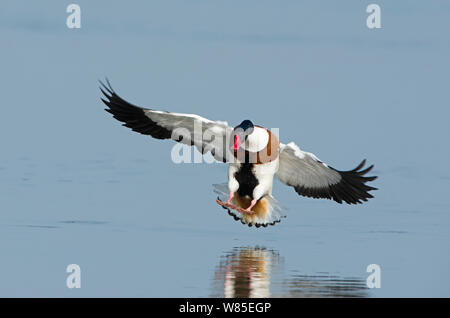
(204,134)
(312,178)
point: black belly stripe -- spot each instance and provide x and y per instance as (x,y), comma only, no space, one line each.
(246,179)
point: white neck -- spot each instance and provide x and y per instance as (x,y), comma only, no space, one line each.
(257,140)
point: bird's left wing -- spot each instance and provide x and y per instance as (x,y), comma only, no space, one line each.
(312,178)
(206,135)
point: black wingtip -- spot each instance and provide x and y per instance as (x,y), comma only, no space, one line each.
(355,180)
(106,102)
(109,84)
(352,189)
(359,166)
(130,115)
(108,88)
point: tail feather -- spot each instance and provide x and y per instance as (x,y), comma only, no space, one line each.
(267,210)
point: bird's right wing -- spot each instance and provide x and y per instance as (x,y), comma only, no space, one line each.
(206,135)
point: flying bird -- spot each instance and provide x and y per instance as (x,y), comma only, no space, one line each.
(254,156)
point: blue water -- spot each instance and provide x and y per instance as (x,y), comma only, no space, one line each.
(77,188)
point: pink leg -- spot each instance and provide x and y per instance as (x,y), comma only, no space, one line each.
(230,197)
(252,204)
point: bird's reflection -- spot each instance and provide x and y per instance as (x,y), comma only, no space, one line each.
(247,272)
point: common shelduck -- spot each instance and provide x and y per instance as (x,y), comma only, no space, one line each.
(254,155)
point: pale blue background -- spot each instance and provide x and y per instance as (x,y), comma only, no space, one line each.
(76,187)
